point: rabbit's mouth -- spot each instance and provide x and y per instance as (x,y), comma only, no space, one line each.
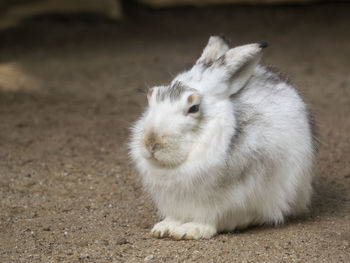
(166,159)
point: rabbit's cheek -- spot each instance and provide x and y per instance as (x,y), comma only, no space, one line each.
(145,153)
(171,156)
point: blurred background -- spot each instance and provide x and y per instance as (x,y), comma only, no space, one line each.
(73,77)
(14,11)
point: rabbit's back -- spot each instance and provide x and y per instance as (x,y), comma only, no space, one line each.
(270,110)
(274,148)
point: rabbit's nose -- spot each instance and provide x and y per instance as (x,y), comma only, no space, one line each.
(152,142)
(155,147)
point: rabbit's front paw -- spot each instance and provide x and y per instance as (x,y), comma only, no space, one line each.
(164,228)
(193,230)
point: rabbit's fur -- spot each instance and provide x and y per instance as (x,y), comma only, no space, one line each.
(245,157)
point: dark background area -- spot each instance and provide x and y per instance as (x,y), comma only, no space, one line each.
(72,85)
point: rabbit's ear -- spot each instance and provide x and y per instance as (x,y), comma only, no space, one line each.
(216,47)
(238,65)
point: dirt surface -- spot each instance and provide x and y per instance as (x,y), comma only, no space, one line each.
(69,91)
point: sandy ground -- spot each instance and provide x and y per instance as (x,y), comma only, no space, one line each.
(69,91)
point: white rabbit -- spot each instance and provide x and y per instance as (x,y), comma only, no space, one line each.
(226,145)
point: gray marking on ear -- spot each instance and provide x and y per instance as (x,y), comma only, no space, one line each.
(206,64)
(225,39)
(263,44)
(216,47)
(221,61)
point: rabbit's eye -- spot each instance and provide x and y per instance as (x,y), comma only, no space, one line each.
(194,109)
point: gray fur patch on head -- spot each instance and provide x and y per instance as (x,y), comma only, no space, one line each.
(172,92)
